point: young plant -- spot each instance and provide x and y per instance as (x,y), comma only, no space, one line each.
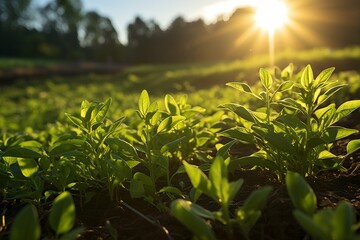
(292,133)
(61,219)
(325,224)
(218,187)
(100,158)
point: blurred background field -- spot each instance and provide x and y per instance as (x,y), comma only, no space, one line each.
(54,54)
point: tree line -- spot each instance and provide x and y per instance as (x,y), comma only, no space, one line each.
(61,29)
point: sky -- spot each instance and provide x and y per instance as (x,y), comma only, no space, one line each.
(123,12)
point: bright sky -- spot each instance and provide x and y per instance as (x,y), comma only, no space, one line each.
(122,12)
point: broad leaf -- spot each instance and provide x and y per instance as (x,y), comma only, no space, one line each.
(26,225)
(62,213)
(239,110)
(353,146)
(301,194)
(171,105)
(28,167)
(307,78)
(188,216)
(144,102)
(265,78)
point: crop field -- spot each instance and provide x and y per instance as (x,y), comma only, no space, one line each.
(230,150)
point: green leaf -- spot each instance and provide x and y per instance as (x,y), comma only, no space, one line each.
(309,225)
(76,121)
(136,189)
(265,78)
(343,220)
(324,76)
(65,149)
(171,105)
(239,133)
(301,194)
(20,152)
(334,133)
(121,147)
(325,96)
(185,213)
(218,177)
(278,140)
(144,102)
(172,144)
(173,190)
(198,179)
(345,109)
(223,151)
(101,114)
(252,161)
(62,213)
(28,167)
(26,225)
(285,86)
(239,110)
(353,146)
(307,78)
(73,235)
(257,199)
(169,122)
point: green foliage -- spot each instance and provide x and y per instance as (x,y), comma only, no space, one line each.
(218,187)
(295,129)
(26,224)
(61,219)
(338,223)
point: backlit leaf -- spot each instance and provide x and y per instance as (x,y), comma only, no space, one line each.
(26,225)
(301,194)
(62,213)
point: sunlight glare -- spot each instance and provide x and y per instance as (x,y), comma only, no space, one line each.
(271,14)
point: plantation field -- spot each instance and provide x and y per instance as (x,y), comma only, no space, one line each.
(176,151)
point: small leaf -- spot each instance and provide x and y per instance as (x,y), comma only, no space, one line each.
(198,179)
(307,78)
(173,190)
(169,122)
(171,105)
(62,213)
(100,116)
(26,225)
(185,213)
(353,146)
(301,194)
(144,102)
(239,133)
(265,78)
(252,161)
(28,167)
(345,109)
(239,110)
(324,76)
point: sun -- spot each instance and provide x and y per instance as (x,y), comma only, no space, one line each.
(271,15)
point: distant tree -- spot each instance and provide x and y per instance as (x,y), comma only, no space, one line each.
(100,37)
(14,13)
(61,20)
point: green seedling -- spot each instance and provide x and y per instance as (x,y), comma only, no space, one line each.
(324,224)
(218,187)
(293,133)
(61,220)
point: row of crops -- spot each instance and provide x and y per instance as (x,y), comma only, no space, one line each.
(176,153)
